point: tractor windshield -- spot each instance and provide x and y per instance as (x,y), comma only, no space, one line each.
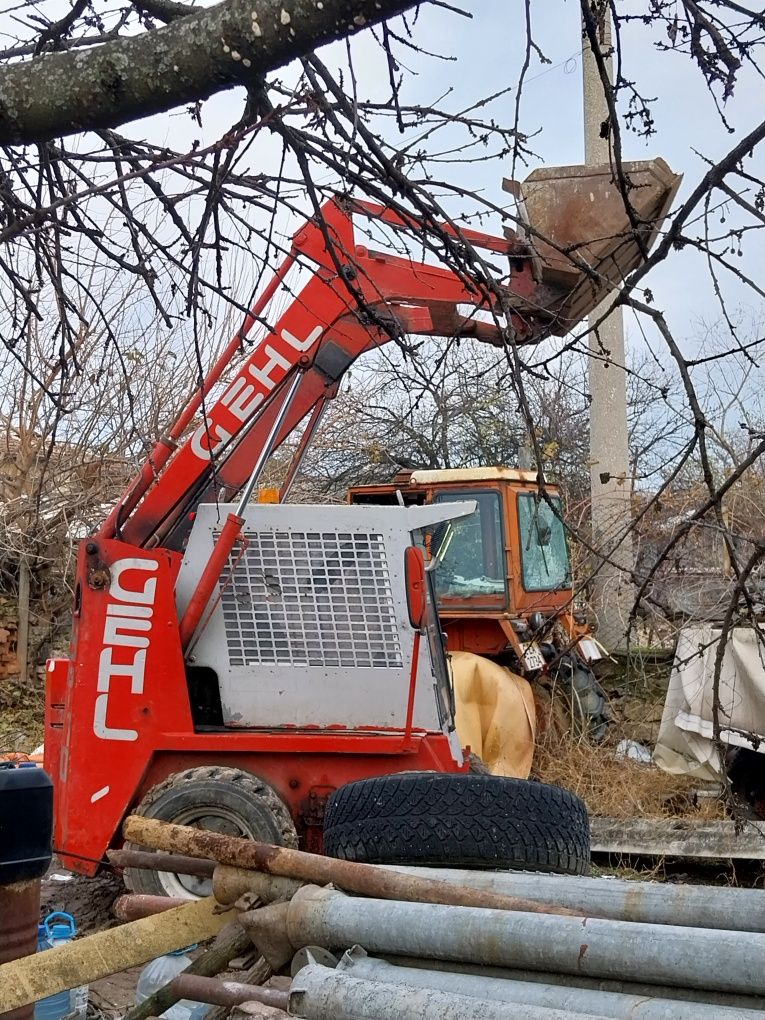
(544,550)
(472,557)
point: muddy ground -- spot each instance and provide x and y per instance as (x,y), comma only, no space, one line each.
(89,901)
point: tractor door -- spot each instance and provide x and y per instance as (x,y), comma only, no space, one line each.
(472,569)
(541,550)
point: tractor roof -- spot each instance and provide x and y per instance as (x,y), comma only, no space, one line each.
(471,474)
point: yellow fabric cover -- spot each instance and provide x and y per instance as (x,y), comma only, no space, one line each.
(496,717)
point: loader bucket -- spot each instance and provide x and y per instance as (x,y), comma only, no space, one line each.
(579,213)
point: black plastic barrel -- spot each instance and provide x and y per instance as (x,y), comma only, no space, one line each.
(26,826)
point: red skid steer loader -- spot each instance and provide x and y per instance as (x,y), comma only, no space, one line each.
(235,666)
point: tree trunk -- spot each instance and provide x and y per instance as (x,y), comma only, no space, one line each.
(234,43)
(22,634)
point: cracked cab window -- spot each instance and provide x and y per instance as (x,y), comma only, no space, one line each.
(472,564)
(544,550)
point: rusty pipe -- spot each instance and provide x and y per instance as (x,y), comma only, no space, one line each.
(226,993)
(132,906)
(352,876)
(231,883)
(200,597)
(174,863)
(19,918)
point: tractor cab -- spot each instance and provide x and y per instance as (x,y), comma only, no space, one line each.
(503,575)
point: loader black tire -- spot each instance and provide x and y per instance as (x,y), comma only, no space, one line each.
(468,821)
(217,798)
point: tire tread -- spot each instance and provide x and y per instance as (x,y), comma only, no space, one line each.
(248,785)
(460,820)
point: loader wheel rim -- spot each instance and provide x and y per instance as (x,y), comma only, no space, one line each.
(217,798)
(212,819)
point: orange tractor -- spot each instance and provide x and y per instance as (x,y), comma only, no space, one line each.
(503,578)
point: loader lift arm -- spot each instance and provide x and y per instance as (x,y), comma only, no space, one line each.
(320,334)
(359,299)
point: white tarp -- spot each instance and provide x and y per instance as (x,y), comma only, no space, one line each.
(685,744)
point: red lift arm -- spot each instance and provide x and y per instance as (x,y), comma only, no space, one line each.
(320,334)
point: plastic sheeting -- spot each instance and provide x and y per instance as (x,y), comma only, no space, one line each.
(685,744)
(495,714)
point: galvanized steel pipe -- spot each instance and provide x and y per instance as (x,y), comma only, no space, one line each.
(754,1003)
(320,993)
(657,954)
(357,964)
(693,906)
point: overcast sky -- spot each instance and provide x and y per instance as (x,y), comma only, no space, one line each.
(488,52)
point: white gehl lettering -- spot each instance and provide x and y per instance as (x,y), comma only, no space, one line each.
(243,398)
(127,625)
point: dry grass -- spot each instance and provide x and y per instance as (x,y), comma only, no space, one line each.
(22,707)
(620,788)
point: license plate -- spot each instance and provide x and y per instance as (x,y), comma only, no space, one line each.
(589,650)
(532,657)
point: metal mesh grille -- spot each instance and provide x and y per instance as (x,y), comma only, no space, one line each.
(311,598)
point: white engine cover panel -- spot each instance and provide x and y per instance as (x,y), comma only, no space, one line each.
(310,626)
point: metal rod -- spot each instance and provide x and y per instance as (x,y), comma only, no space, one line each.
(352,876)
(412,688)
(320,993)
(132,906)
(174,863)
(226,993)
(556,995)
(268,445)
(305,441)
(693,906)
(213,569)
(656,954)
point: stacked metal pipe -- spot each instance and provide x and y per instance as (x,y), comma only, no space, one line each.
(421,943)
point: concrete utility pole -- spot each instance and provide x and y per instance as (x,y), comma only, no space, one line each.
(609,454)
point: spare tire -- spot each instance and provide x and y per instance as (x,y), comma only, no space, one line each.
(469,821)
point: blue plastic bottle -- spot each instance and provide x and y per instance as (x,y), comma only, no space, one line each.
(57,929)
